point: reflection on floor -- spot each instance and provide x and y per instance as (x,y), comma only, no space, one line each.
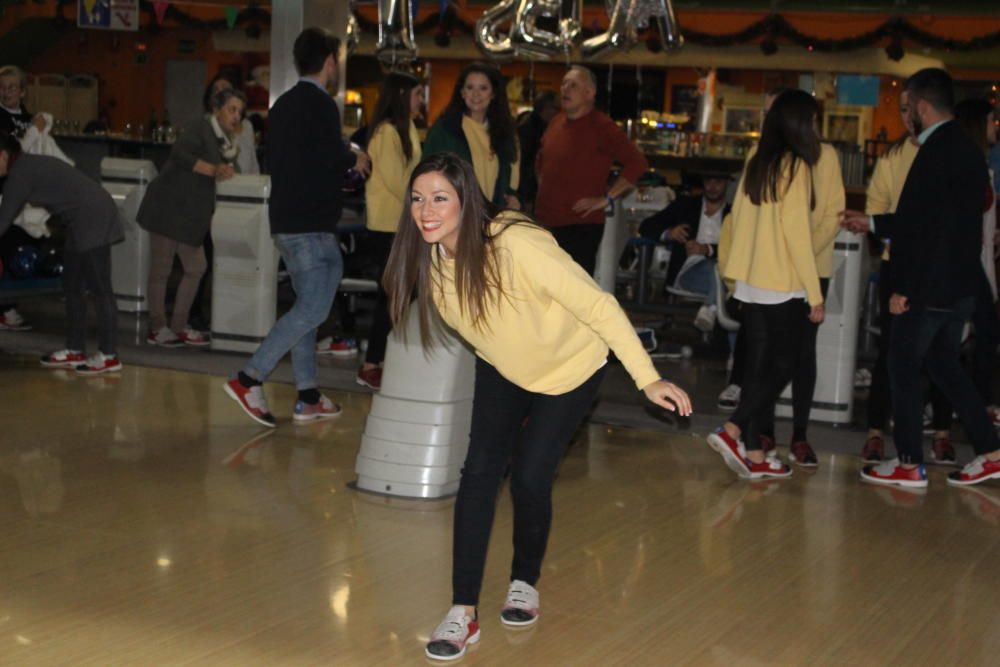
(145,521)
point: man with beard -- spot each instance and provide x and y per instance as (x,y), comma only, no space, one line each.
(691,227)
(936,239)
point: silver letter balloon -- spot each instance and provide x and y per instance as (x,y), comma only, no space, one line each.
(395,32)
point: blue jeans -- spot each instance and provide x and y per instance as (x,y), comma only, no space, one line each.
(316,267)
(925,338)
(700,279)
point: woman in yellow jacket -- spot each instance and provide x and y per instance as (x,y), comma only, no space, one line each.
(541,329)
(394,147)
(772,263)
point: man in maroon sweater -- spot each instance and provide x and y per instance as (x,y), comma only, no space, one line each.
(573,163)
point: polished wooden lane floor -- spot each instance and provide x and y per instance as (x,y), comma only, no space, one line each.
(145,521)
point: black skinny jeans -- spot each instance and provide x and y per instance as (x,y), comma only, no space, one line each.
(83,272)
(381,244)
(879,396)
(772,332)
(531,431)
(931,339)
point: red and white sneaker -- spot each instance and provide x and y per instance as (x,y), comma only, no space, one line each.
(873,450)
(894,474)
(978,470)
(943,452)
(521,607)
(994,414)
(732,452)
(252,400)
(63,359)
(769,468)
(193,338)
(165,337)
(450,639)
(801,454)
(11,320)
(338,347)
(307,412)
(768,445)
(96,364)
(370,377)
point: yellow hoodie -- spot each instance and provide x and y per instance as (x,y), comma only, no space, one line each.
(770,246)
(385,191)
(887,182)
(552,329)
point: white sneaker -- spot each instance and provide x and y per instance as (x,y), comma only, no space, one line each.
(11,320)
(521,607)
(705,319)
(450,639)
(165,337)
(730,397)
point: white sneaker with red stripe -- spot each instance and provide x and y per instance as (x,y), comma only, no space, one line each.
(521,607)
(338,347)
(165,337)
(733,452)
(977,470)
(63,359)
(450,639)
(97,364)
(894,474)
(193,338)
(770,467)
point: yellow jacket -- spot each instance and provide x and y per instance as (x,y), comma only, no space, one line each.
(485,163)
(552,329)
(770,246)
(887,181)
(385,191)
(831,199)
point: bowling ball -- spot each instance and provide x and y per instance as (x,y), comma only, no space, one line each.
(23,262)
(52,264)
(353,181)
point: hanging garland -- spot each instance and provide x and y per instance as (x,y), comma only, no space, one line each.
(769,29)
(251,15)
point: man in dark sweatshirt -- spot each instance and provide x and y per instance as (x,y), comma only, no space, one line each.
(92,226)
(308,159)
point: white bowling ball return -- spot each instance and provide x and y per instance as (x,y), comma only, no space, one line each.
(837,339)
(245,268)
(417,433)
(126,181)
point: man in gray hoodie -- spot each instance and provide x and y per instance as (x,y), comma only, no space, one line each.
(92,226)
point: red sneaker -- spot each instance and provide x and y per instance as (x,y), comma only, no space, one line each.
(338,347)
(732,452)
(98,363)
(943,453)
(769,468)
(252,400)
(768,444)
(893,473)
(63,359)
(371,378)
(874,450)
(802,454)
(450,639)
(978,470)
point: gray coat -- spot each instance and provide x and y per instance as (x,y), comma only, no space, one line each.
(86,208)
(179,203)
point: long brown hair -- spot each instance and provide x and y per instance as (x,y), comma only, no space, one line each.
(412,267)
(502,130)
(394,107)
(789,131)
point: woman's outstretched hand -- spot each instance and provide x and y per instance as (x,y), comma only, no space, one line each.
(668,395)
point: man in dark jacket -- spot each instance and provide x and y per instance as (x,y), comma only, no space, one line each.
(308,159)
(936,236)
(92,226)
(691,227)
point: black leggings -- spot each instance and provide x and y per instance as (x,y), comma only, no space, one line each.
(771,332)
(531,431)
(381,243)
(83,272)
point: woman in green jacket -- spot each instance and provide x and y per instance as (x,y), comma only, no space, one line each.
(477,126)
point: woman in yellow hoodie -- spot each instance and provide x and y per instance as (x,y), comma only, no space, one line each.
(541,329)
(394,147)
(772,262)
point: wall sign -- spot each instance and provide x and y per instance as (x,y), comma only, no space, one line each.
(108,14)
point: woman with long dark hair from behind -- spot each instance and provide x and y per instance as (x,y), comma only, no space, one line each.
(394,147)
(477,126)
(541,329)
(772,262)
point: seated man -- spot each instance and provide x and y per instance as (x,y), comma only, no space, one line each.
(691,227)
